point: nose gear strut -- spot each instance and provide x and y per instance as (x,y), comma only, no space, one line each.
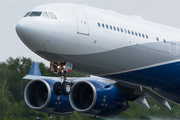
(61,69)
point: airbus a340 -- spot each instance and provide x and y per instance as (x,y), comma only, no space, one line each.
(133,59)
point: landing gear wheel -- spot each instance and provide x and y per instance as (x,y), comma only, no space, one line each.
(57,88)
(66,88)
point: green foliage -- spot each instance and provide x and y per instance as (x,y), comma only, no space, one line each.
(13,106)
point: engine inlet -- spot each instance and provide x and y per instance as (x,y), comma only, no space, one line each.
(83,96)
(37,94)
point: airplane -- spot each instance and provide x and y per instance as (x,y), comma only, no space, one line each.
(133,59)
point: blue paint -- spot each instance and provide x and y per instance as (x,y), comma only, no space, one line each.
(164,79)
(110,100)
(35,69)
(59,106)
(157,77)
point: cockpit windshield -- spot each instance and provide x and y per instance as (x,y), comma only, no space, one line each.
(52,15)
(35,14)
(38,13)
(27,14)
(45,14)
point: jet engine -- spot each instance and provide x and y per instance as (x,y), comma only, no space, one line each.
(98,99)
(39,95)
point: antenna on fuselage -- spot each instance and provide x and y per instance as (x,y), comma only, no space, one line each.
(86,4)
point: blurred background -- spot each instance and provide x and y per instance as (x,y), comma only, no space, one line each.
(16,58)
(13,106)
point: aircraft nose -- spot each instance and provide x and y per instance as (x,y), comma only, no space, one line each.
(18,28)
(24,29)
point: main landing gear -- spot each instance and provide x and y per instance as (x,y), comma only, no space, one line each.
(62,87)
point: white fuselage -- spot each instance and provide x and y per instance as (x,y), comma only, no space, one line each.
(78,36)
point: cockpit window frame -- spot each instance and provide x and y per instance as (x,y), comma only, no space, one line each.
(35,14)
(45,12)
(27,14)
(52,15)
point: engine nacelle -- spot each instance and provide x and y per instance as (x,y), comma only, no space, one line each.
(39,95)
(96,98)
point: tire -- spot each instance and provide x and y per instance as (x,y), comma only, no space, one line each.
(66,88)
(57,88)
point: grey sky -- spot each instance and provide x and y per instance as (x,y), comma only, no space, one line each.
(161,11)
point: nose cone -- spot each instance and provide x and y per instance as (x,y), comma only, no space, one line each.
(18,29)
(24,29)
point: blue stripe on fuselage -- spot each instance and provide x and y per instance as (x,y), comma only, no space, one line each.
(158,76)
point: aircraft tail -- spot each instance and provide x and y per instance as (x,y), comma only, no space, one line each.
(35,69)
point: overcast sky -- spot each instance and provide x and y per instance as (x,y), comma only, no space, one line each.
(160,11)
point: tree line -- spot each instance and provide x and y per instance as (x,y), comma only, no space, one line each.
(13,106)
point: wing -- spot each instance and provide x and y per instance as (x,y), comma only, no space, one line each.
(132,92)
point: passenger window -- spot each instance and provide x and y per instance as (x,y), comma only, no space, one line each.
(107,26)
(27,14)
(52,15)
(125,30)
(103,25)
(121,30)
(132,32)
(136,33)
(117,29)
(114,28)
(129,32)
(110,27)
(99,24)
(143,35)
(35,14)
(147,36)
(164,41)
(45,14)
(157,38)
(139,34)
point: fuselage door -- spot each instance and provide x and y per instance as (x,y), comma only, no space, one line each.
(173,47)
(82,22)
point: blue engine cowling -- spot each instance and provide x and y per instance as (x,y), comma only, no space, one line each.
(39,95)
(98,99)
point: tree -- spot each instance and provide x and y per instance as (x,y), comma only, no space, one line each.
(13,106)
(12,86)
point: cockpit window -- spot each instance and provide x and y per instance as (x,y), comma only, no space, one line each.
(52,15)
(27,14)
(45,14)
(34,14)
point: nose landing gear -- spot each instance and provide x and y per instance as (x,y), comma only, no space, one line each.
(61,69)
